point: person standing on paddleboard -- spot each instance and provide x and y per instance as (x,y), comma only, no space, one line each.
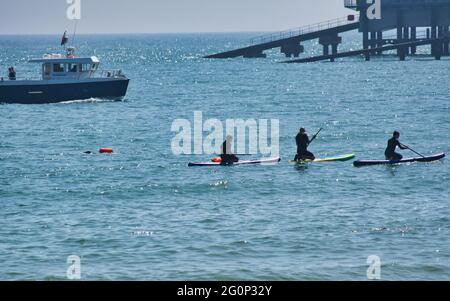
(303,142)
(392,146)
(227,157)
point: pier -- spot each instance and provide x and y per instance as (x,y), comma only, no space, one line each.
(289,41)
(365,52)
(416,22)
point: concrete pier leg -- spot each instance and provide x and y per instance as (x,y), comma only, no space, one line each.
(446,44)
(366,43)
(379,41)
(327,41)
(373,41)
(406,38)
(292,49)
(326,49)
(400,51)
(436,49)
(413,37)
(400,34)
(441,35)
(443,45)
(334,50)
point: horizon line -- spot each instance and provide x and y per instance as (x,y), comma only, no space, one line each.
(139,33)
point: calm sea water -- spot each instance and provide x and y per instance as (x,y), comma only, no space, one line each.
(142,214)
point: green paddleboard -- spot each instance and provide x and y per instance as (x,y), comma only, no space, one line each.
(325,160)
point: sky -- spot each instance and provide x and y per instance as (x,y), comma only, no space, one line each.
(165,16)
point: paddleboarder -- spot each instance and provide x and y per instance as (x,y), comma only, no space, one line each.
(392,146)
(302,141)
(11,73)
(227,157)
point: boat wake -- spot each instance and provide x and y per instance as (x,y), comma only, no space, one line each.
(91,100)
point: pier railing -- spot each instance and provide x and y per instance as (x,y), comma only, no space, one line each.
(420,35)
(351,3)
(303,30)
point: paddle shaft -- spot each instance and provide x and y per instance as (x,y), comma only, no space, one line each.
(404,145)
(315,136)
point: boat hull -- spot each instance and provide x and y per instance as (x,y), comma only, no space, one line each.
(51,92)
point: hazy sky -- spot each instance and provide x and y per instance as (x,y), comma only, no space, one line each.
(150,16)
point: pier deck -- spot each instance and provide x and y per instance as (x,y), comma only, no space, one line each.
(291,39)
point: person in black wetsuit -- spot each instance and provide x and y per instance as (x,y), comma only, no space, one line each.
(11,73)
(392,146)
(303,142)
(227,155)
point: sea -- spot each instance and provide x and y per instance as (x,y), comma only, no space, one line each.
(142,214)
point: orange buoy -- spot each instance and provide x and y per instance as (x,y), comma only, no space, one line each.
(106,150)
(216,160)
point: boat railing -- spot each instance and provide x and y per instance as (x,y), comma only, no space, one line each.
(7,79)
(113,73)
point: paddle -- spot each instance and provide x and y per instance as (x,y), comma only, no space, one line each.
(404,145)
(315,136)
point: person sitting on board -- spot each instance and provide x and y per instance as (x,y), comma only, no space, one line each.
(11,73)
(392,146)
(303,142)
(227,157)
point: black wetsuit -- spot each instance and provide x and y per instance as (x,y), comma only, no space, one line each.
(227,159)
(390,150)
(303,141)
(12,75)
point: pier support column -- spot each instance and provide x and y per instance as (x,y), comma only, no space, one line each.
(366,43)
(326,49)
(292,49)
(327,41)
(364,28)
(441,44)
(436,47)
(446,50)
(373,41)
(401,51)
(407,38)
(334,50)
(379,41)
(413,37)
(443,47)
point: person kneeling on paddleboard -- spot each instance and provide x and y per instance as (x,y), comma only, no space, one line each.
(227,157)
(303,142)
(392,146)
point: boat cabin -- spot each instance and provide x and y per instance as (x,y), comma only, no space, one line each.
(58,67)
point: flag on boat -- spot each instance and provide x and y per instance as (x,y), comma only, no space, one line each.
(64,39)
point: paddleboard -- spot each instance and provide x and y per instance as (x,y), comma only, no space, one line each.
(325,160)
(407,160)
(251,162)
